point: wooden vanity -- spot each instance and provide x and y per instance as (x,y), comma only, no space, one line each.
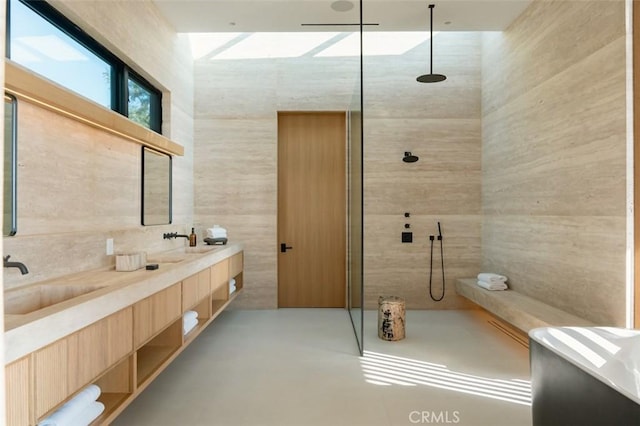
(120,336)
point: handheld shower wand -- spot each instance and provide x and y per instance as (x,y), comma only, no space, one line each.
(432,238)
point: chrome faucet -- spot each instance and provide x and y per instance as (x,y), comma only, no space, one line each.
(19,265)
(171,235)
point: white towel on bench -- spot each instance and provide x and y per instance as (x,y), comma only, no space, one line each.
(492,286)
(492,278)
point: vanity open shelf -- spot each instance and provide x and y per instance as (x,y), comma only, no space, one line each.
(151,357)
(123,352)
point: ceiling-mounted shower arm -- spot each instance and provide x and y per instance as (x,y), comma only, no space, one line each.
(431,77)
(431,6)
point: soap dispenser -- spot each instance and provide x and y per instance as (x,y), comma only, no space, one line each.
(192,238)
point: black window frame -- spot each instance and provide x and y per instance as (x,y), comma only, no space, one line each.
(120,74)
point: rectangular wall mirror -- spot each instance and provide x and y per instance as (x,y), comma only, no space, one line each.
(156,187)
(10,216)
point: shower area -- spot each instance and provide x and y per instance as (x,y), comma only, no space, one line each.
(471,146)
(419,217)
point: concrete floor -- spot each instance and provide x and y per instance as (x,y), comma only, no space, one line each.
(301,367)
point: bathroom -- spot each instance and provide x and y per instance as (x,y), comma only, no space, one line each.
(523,154)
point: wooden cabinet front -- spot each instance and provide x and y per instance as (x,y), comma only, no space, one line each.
(155,312)
(51,376)
(189,292)
(236,264)
(18,392)
(104,350)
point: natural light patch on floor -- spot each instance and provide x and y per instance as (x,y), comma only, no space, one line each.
(387,370)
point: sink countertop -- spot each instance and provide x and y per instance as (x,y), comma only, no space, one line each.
(29,332)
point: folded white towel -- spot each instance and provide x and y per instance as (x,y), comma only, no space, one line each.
(492,286)
(188,325)
(66,414)
(492,278)
(190,315)
(216,232)
(89,414)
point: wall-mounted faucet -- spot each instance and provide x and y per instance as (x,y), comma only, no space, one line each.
(170,235)
(19,265)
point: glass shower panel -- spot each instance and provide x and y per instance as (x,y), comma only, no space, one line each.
(356,210)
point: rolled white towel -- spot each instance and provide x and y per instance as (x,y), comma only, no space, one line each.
(232,283)
(89,414)
(232,289)
(188,325)
(492,278)
(66,414)
(190,315)
(492,286)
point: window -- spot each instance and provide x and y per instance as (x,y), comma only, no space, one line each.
(41,39)
(142,104)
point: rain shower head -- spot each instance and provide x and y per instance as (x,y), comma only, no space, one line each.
(409,158)
(431,78)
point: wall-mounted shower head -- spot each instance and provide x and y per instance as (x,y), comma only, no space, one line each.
(409,158)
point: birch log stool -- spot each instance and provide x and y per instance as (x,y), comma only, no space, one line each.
(391,318)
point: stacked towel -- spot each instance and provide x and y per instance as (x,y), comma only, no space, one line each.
(492,278)
(189,321)
(80,410)
(216,232)
(492,281)
(495,286)
(232,285)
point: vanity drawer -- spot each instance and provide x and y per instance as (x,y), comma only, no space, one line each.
(96,348)
(204,284)
(51,379)
(189,292)
(18,395)
(154,313)
(195,289)
(220,274)
(236,264)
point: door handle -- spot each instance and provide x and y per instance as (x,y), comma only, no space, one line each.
(284,247)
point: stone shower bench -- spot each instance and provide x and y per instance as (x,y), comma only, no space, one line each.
(523,312)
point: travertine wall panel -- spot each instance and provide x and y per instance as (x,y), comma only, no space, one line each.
(554,156)
(79,186)
(440,123)
(236,151)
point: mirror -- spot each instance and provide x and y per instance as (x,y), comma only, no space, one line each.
(10,218)
(156,187)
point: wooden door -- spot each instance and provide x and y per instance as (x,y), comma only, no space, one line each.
(311,209)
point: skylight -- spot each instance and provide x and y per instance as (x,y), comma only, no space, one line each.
(233,46)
